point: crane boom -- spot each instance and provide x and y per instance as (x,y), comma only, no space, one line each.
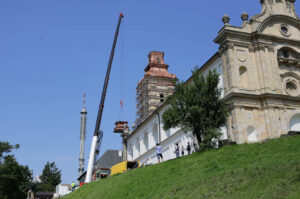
(101,106)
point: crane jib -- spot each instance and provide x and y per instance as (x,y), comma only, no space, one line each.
(101,107)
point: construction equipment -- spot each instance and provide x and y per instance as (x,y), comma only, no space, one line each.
(101,106)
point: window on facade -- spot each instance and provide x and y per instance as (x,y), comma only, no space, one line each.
(168,133)
(155,134)
(285,54)
(295,123)
(244,77)
(291,88)
(284,30)
(146,141)
(130,151)
(137,145)
(162,97)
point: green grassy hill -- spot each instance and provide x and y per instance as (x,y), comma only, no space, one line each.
(268,170)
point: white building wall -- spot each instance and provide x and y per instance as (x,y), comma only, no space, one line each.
(216,65)
(167,139)
(61,190)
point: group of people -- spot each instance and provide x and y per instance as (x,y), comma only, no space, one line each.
(181,150)
(177,151)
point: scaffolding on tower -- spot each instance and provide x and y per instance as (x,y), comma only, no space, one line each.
(156,85)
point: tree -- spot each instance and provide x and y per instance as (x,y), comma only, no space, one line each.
(197,107)
(15,179)
(50,177)
(5,147)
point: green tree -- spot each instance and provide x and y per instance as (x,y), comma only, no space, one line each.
(15,179)
(50,177)
(5,147)
(196,106)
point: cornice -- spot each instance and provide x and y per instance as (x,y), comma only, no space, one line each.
(231,95)
(281,17)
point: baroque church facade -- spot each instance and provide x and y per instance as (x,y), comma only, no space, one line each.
(259,68)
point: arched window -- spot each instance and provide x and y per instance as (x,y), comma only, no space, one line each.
(287,53)
(244,81)
(130,149)
(168,133)
(251,133)
(145,140)
(295,123)
(155,133)
(137,145)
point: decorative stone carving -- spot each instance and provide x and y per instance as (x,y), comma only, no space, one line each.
(288,57)
(289,4)
(225,47)
(263,47)
(230,45)
(291,87)
(271,48)
(244,17)
(290,74)
(226,19)
(251,49)
(241,55)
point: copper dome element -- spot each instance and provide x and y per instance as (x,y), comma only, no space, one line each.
(120,126)
(157,67)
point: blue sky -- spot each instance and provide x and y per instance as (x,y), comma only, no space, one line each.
(52,51)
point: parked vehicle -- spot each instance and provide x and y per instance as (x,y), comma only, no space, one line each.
(122,167)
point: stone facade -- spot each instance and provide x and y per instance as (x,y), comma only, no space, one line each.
(261,64)
(259,68)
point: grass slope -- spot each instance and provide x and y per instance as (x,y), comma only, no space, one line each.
(268,170)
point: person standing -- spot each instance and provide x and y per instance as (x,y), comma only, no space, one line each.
(177,150)
(159,153)
(148,162)
(182,151)
(73,186)
(30,194)
(188,148)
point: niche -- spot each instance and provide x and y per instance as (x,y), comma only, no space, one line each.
(244,80)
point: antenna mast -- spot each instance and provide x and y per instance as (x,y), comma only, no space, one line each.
(82,137)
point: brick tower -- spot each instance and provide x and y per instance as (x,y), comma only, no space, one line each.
(156,85)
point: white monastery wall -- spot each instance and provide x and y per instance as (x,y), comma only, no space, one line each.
(141,143)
